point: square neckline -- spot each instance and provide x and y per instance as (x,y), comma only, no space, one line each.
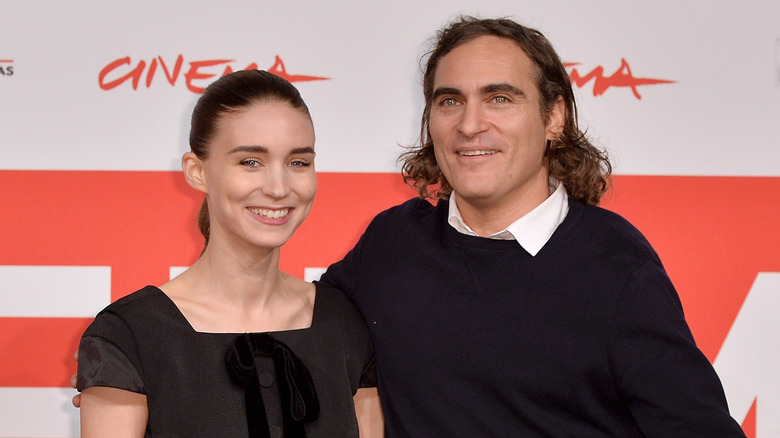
(183,319)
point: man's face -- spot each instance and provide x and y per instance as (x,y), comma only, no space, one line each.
(487,129)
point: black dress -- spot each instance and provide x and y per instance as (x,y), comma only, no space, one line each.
(142,343)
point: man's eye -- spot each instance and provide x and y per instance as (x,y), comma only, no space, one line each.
(449,102)
(500,99)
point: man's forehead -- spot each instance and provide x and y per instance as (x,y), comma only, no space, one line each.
(484,62)
(486,48)
(488,43)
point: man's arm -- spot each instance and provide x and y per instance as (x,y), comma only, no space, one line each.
(345,274)
(73,379)
(670,386)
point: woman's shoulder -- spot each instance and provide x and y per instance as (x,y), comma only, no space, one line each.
(338,323)
(331,296)
(137,298)
(136,303)
(143,310)
(332,306)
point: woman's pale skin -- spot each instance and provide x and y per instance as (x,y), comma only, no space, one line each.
(260,183)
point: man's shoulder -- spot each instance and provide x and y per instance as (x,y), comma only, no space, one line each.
(412,210)
(414,205)
(608,229)
(603,217)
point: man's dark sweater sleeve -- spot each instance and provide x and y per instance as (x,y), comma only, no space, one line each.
(345,274)
(669,385)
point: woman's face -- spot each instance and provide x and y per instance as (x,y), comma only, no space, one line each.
(259,176)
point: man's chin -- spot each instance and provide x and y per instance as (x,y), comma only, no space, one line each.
(479,197)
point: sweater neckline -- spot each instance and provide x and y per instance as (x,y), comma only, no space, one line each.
(451,235)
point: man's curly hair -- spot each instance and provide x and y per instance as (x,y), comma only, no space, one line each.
(583,169)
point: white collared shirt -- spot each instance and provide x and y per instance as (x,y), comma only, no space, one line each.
(531,231)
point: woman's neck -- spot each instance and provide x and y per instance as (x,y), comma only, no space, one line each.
(229,291)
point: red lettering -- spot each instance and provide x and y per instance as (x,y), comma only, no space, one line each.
(134,74)
(623,77)
(280,70)
(150,74)
(171,77)
(176,69)
(194,75)
(580,81)
(229,69)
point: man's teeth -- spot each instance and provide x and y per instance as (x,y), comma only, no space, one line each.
(271,214)
(474,153)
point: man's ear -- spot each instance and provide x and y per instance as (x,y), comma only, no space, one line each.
(194,172)
(556,120)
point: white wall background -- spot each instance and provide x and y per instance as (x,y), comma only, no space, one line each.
(720,118)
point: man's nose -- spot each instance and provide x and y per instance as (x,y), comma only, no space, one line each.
(472,121)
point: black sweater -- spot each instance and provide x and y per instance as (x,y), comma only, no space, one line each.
(475,337)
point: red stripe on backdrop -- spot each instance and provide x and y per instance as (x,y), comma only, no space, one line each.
(39,351)
(140,224)
(713,234)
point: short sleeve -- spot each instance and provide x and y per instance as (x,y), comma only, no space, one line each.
(108,356)
(345,329)
(368,378)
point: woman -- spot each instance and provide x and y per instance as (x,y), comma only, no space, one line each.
(233,346)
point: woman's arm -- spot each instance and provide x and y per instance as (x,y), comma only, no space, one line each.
(112,412)
(369,413)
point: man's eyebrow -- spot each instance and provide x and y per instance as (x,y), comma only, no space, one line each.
(508,88)
(487,89)
(446,91)
(257,149)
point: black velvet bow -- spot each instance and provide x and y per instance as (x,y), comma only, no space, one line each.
(296,387)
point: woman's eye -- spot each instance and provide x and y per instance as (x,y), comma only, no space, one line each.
(250,162)
(300,163)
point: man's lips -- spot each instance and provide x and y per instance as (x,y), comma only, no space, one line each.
(476,152)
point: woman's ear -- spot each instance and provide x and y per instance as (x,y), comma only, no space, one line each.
(194,172)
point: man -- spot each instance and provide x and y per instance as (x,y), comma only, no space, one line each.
(514,306)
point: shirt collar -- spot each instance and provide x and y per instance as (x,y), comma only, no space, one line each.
(533,230)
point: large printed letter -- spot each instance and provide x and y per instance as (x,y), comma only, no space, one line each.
(748,361)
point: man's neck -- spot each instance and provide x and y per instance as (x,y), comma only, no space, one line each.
(486,218)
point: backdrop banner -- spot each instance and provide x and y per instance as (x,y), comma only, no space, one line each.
(95,103)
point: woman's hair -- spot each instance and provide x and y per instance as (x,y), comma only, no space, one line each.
(230,94)
(582,168)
